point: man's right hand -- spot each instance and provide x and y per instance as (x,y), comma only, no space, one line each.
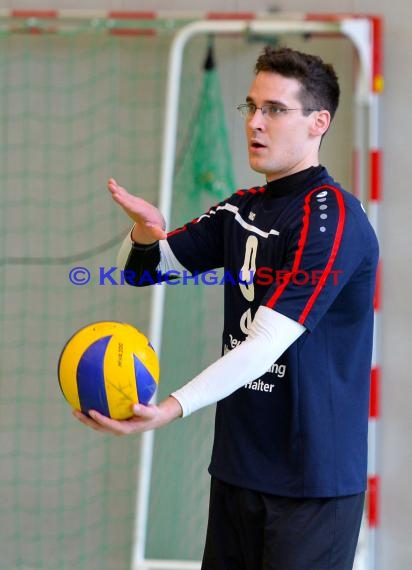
(144,418)
(149,222)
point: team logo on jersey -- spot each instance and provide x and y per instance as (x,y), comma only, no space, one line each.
(252,216)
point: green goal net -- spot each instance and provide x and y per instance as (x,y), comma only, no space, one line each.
(78,105)
(76,108)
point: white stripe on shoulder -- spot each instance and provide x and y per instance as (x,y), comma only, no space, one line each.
(235,211)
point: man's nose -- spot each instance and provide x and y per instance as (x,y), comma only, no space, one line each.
(257,120)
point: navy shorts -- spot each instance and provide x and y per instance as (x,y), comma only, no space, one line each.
(248,530)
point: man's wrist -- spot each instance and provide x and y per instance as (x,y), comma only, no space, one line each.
(171,409)
(137,242)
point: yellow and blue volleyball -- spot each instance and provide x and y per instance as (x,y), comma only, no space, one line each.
(108,366)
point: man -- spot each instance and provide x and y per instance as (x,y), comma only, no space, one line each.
(290,449)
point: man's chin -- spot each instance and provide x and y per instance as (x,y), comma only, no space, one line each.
(254,165)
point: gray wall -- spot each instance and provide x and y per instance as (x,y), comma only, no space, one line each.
(395,546)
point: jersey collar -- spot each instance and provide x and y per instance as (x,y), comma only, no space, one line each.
(298,181)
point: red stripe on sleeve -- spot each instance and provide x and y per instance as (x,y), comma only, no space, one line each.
(331,260)
(301,248)
(184,228)
(298,255)
(177,231)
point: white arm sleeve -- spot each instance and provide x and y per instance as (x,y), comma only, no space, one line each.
(168,260)
(124,251)
(270,335)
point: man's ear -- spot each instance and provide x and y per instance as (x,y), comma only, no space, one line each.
(320,123)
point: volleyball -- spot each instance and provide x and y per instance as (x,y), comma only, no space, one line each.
(108,366)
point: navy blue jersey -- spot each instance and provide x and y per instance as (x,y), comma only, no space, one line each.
(304,247)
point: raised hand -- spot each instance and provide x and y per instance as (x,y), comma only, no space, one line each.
(149,222)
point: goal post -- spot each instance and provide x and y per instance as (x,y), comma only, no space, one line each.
(368,85)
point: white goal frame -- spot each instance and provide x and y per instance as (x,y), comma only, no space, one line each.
(365,33)
(361,31)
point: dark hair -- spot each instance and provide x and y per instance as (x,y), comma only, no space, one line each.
(319,83)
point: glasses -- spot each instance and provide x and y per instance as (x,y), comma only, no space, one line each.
(271,110)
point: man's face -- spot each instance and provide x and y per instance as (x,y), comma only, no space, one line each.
(282,144)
